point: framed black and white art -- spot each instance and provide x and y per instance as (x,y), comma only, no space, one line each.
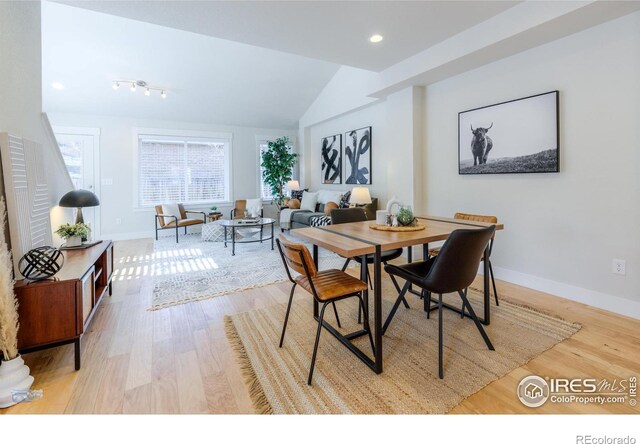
(357,154)
(331,153)
(519,136)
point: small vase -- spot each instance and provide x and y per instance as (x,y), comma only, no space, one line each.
(14,375)
(74,241)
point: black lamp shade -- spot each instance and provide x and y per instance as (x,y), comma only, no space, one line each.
(79,199)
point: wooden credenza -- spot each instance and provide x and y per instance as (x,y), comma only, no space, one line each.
(58,311)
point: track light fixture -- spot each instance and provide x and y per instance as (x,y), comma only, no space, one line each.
(139,83)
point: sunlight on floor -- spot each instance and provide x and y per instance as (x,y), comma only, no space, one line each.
(138,266)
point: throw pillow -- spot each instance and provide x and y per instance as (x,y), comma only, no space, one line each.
(344,202)
(309,201)
(329,206)
(294,204)
(297,194)
(171,210)
(254,207)
(326,196)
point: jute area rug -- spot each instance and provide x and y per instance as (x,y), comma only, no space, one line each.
(194,270)
(277,377)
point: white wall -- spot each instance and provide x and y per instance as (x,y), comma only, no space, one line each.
(561,230)
(21,92)
(116,163)
(393,143)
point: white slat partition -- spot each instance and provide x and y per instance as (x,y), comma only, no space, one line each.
(27,195)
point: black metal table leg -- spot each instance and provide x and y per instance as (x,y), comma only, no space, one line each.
(233,241)
(377,307)
(315,261)
(272,236)
(425,252)
(409,260)
(487,295)
(261,232)
(364,272)
(225,236)
(77,351)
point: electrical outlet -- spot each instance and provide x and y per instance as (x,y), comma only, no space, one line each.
(107,182)
(619,266)
(118,221)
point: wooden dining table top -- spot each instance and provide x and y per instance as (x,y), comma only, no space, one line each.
(358,238)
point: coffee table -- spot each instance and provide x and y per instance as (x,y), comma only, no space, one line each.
(235,224)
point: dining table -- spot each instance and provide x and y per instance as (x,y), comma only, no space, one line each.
(360,239)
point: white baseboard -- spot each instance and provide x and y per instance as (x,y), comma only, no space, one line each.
(605,301)
(129,236)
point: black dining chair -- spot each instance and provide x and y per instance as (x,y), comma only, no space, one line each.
(349,215)
(451,271)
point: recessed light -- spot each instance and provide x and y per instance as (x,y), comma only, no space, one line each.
(57,85)
(375,38)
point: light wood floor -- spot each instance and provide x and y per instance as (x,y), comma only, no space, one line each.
(177,360)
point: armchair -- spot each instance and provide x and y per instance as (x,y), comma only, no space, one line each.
(246,204)
(167,217)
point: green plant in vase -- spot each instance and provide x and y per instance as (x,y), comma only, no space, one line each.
(73,233)
(405,216)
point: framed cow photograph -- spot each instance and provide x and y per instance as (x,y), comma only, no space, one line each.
(331,152)
(518,136)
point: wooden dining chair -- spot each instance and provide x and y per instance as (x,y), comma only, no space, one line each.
(451,271)
(349,215)
(477,218)
(326,287)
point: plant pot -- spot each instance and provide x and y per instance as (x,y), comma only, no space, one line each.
(14,375)
(74,241)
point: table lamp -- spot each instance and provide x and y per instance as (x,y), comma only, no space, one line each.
(293,185)
(360,196)
(79,199)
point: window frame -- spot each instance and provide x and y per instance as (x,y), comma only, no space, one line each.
(187,136)
(265,139)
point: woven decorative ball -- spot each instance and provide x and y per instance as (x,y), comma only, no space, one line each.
(41,263)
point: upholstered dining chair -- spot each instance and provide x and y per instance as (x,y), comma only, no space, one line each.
(477,218)
(451,271)
(348,215)
(326,287)
(174,217)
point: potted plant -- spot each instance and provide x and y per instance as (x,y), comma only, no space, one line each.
(14,375)
(214,209)
(73,234)
(278,162)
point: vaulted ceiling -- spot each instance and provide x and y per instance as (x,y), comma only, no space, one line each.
(207,79)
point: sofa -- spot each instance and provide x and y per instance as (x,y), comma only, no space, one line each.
(305,218)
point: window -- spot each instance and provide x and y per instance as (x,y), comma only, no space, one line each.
(265,190)
(182,169)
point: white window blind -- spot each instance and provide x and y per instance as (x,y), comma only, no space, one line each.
(265,190)
(182,170)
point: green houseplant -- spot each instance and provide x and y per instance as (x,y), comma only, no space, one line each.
(73,233)
(277,163)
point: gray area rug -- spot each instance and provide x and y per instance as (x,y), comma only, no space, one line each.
(194,270)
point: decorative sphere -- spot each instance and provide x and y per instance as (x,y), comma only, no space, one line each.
(41,263)
(405,216)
